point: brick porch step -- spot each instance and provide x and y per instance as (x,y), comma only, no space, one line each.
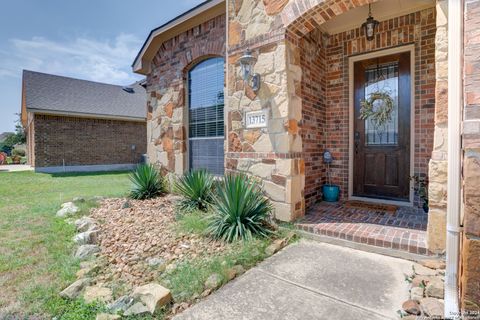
(403,230)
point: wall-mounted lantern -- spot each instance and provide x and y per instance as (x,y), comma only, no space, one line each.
(370,25)
(247,61)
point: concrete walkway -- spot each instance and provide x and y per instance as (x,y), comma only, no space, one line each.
(311,281)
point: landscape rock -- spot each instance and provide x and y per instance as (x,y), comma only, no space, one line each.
(214,281)
(73,290)
(423,271)
(106,316)
(126,204)
(435,288)
(137,309)
(78,199)
(432,307)
(420,280)
(121,304)
(159,264)
(86,251)
(84,224)
(433,264)
(416,293)
(97,293)
(231,274)
(276,246)
(239,269)
(67,209)
(411,307)
(87,237)
(88,271)
(152,295)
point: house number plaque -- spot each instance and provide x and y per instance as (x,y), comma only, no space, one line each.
(256,119)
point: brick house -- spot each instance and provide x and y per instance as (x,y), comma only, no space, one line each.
(78,125)
(315,63)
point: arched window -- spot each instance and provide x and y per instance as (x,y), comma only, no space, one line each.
(205,104)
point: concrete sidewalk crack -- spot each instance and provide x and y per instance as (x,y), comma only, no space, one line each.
(325,295)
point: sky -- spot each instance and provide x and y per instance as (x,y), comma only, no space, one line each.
(86,39)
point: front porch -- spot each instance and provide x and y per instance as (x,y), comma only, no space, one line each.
(402,229)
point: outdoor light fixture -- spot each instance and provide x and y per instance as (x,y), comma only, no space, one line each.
(370,25)
(247,61)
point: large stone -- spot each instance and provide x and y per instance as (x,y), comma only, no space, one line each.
(432,307)
(137,309)
(423,271)
(97,293)
(471,273)
(88,271)
(436,229)
(87,237)
(67,209)
(433,264)
(274,191)
(84,224)
(159,264)
(421,281)
(214,281)
(73,290)
(152,295)
(416,293)
(86,251)
(121,304)
(435,288)
(276,246)
(411,307)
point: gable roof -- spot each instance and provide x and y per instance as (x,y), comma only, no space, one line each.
(187,20)
(54,94)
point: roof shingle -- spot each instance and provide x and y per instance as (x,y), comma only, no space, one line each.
(52,93)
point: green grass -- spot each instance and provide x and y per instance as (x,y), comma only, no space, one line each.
(36,247)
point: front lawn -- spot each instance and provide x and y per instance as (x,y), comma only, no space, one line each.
(36,247)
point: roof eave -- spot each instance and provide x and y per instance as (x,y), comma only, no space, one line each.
(85,115)
(199,14)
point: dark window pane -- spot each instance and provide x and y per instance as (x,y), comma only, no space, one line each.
(206,127)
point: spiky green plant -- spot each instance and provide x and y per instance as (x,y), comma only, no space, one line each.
(240,210)
(147,182)
(195,187)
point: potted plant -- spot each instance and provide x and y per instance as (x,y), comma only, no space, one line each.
(330,191)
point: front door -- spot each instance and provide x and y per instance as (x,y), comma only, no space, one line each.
(382,148)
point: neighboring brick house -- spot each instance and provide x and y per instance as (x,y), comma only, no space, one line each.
(79,125)
(316,65)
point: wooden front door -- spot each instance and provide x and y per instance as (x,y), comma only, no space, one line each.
(381,166)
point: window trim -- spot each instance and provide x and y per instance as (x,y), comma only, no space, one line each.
(186,116)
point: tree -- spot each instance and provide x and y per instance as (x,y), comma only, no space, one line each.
(15,138)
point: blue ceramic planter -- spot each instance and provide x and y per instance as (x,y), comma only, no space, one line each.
(330,192)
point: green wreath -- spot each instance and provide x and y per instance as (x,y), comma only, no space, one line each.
(383,114)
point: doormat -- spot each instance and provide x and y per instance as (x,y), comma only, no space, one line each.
(354,204)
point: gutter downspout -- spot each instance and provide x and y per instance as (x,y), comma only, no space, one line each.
(455,103)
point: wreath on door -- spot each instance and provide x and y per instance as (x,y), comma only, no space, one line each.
(381,114)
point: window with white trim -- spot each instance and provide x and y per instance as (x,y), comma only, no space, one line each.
(206,127)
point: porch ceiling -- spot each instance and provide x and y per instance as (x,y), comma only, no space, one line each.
(381,10)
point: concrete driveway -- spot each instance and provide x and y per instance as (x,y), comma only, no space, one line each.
(311,281)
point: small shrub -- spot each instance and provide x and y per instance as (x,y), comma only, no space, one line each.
(196,188)
(9,160)
(147,182)
(18,152)
(240,210)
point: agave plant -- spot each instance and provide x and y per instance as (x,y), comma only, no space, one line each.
(147,182)
(196,188)
(240,210)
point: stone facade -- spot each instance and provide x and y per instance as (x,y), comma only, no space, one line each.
(72,141)
(166,90)
(470,273)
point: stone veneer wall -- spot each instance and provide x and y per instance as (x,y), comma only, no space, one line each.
(437,188)
(470,273)
(85,141)
(166,90)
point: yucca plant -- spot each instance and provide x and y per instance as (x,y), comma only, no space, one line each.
(240,210)
(195,187)
(147,182)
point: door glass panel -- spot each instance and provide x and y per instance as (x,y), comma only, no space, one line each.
(382,78)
